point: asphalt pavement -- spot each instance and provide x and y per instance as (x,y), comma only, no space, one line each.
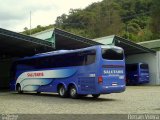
(135,100)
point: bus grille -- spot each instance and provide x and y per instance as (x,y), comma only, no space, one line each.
(87,84)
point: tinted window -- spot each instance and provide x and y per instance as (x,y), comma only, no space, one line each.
(133,67)
(112,54)
(63,60)
(144,66)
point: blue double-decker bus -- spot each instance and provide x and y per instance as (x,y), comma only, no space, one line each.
(137,73)
(93,70)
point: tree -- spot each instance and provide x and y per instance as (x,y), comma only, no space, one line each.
(25,29)
(156,19)
(127,18)
(60,21)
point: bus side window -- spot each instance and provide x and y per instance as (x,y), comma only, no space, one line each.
(80,58)
(91,56)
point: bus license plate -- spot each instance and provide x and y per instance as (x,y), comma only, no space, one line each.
(114,84)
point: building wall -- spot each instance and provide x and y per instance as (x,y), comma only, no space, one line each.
(151,60)
(158,68)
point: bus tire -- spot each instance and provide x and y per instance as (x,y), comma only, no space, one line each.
(95,95)
(73,92)
(62,91)
(19,90)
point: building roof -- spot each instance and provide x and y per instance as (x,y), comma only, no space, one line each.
(153,44)
(129,47)
(14,44)
(44,35)
(67,40)
(107,40)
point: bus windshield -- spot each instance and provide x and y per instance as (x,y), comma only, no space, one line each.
(144,66)
(112,54)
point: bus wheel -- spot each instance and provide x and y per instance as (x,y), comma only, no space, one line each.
(62,91)
(19,89)
(95,95)
(73,92)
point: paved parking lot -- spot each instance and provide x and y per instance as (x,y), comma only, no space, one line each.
(140,100)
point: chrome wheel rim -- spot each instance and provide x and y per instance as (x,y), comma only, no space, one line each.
(19,89)
(62,91)
(73,92)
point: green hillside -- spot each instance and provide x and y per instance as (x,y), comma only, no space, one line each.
(137,20)
(39,28)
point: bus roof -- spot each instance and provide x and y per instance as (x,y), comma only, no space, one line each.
(65,51)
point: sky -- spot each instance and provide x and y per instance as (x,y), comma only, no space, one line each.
(15,14)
